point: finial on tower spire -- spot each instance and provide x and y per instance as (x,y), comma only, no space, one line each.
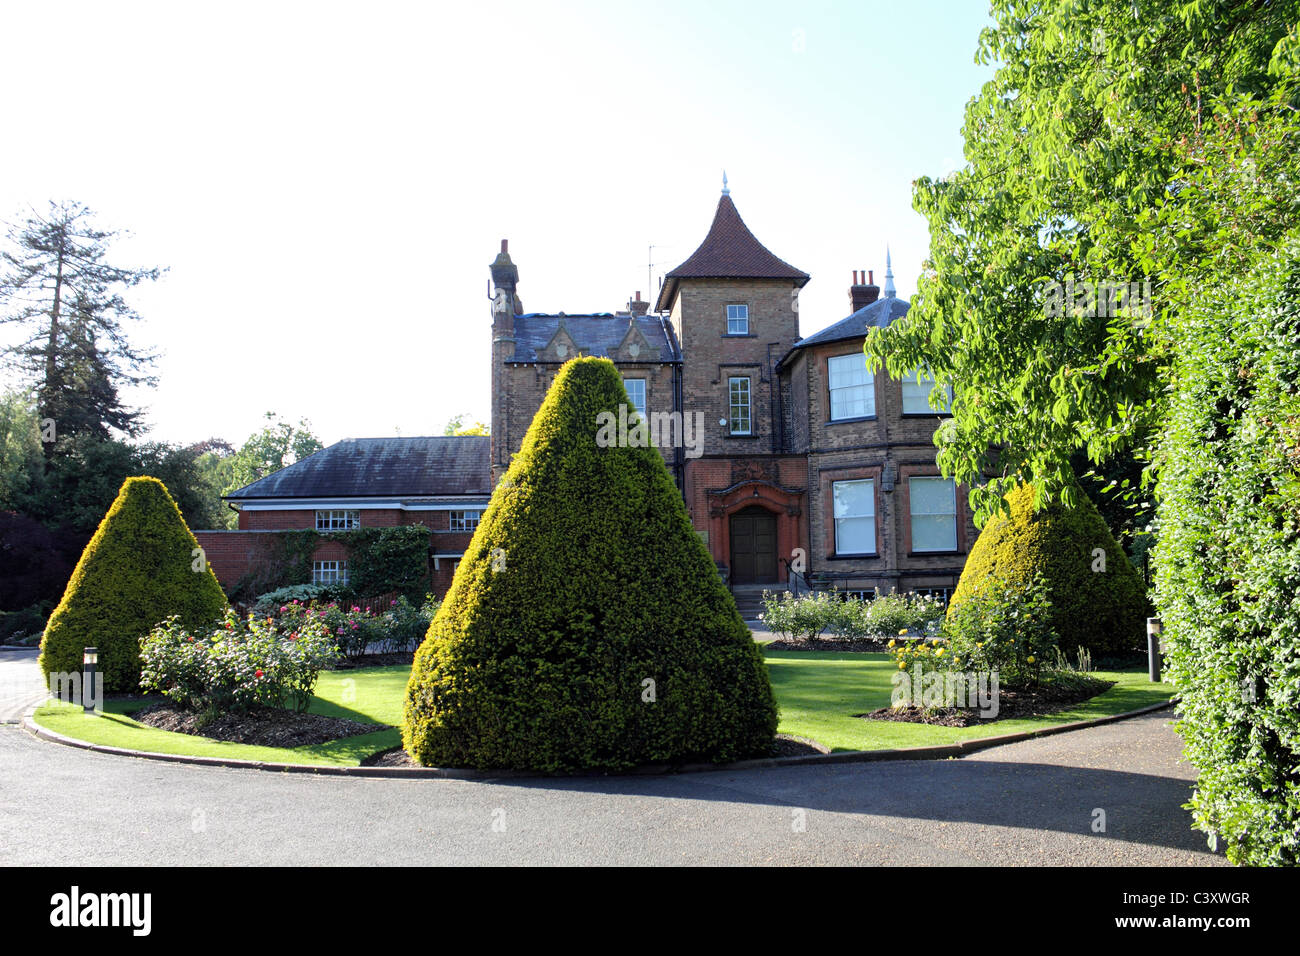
(725,190)
(890,291)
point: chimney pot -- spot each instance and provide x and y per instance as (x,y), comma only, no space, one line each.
(871,277)
(505,245)
(864,291)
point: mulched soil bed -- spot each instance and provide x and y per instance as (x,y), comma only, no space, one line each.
(1030,702)
(864,644)
(786,745)
(262,726)
(377,660)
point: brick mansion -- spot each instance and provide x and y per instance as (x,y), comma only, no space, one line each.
(810,469)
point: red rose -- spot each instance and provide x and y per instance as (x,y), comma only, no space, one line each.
(257,673)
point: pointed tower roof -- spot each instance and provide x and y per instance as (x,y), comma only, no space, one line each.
(729,251)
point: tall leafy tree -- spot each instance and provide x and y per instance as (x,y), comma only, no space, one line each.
(1071,164)
(58,287)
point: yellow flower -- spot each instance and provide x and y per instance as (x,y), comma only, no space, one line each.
(1030,658)
(939,653)
(892,642)
(979,643)
(901,665)
(902,632)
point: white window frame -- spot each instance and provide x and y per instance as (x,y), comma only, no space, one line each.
(867,388)
(870,517)
(640,407)
(916,390)
(733,406)
(461,520)
(338,520)
(329,572)
(737,319)
(913,514)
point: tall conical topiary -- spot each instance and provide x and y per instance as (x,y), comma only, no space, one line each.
(587,626)
(141,567)
(1098,599)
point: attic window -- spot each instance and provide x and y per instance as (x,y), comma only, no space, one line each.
(338,520)
(737,320)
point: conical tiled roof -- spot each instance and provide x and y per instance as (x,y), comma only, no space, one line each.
(729,251)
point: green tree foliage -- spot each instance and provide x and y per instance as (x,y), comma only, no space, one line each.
(1228,557)
(137,570)
(21,462)
(457,426)
(1071,152)
(59,289)
(276,445)
(1098,601)
(587,625)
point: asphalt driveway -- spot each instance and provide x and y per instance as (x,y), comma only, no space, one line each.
(1036,802)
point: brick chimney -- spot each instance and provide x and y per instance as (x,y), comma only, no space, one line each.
(638,306)
(864,291)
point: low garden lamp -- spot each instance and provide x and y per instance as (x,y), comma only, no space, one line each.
(89,659)
(1155,659)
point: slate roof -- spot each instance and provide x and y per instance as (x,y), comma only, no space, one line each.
(383,467)
(598,334)
(729,251)
(876,315)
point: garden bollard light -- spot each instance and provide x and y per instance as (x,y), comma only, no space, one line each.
(89,658)
(1154,650)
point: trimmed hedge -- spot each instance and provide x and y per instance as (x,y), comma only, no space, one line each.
(136,571)
(1104,611)
(584,583)
(1228,557)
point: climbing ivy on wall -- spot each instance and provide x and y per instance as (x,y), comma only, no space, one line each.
(380,560)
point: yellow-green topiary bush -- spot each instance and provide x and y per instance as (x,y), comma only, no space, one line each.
(1098,600)
(138,570)
(587,625)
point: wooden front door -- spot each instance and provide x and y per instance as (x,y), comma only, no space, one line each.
(753,546)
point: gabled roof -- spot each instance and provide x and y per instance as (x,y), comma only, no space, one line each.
(599,335)
(729,251)
(383,467)
(877,314)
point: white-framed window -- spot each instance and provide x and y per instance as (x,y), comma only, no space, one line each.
(465,520)
(855,516)
(329,572)
(737,320)
(934,513)
(636,391)
(916,394)
(738,398)
(852,386)
(337,520)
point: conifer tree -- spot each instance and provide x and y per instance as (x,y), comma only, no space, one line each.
(587,625)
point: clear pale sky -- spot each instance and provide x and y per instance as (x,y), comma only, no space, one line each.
(328,182)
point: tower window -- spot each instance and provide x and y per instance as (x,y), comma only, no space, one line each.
(737,320)
(738,389)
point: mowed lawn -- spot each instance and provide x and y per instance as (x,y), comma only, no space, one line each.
(818,693)
(372,695)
